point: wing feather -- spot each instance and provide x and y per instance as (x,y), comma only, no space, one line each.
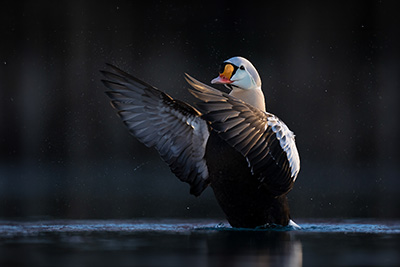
(261,137)
(172,127)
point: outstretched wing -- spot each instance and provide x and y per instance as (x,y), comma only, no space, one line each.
(265,141)
(172,127)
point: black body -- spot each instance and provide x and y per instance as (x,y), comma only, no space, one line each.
(244,200)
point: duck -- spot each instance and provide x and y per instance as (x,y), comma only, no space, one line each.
(226,141)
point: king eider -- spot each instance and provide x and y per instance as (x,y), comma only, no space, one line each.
(247,155)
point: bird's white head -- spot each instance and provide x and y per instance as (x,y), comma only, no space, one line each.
(238,72)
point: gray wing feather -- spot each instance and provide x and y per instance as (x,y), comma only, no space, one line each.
(262,138)
(172,127)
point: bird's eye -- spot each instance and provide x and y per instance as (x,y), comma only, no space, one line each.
(241,67)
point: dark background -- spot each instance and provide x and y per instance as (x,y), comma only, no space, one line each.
(330,70)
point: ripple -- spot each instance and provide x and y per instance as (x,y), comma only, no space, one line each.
(15,228)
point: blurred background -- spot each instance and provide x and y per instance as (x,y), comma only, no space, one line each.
(330,71)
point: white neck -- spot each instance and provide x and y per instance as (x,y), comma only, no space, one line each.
(254,97)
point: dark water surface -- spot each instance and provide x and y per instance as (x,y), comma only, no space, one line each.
(197,243)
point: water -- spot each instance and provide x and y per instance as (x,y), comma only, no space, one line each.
(197,243)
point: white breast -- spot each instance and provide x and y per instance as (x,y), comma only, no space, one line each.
(254,97)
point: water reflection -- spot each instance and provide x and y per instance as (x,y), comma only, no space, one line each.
(260,248)
(196,243)
(195,248)
(145,244)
